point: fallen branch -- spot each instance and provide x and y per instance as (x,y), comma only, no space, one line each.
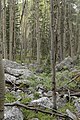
(70,81)
(55,112)
(75,94)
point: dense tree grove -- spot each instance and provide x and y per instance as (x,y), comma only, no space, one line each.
(44,32)
(26,29)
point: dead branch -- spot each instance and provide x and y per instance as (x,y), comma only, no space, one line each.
(70,81)
(75,94)
(55,112)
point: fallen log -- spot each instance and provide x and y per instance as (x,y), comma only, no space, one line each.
(55,112)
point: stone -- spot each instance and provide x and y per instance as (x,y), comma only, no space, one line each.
(77,105)
(40,88)
(11,64)
(23,73)
(49,93)
(10,78)
(23,82)
(16,69)
(26,73)
(31,96)
(44,102)
(34,119)
(67,63)
(13,71)
(12,113)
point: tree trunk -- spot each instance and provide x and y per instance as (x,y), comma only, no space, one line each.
(14,31)
(78,50)
(58,32)
(53,49)
(64,35)
(71,32)
(4,31)
(1,77)
(38,32)
(11,29)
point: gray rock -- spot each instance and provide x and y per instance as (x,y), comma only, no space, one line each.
(13,71)
(24,73)
(12,64)
(13,113)
(16,69)
(34,119)
(67,63)
(24,82)
(61,101)
(40,88)
(10,78)
(44,102)
(49,93)
(31,96)
(77,106)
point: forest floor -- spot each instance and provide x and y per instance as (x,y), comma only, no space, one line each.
(37,91)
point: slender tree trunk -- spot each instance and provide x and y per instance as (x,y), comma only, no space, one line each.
(25,29)
(53,49)
(61,29)
(78,50)
(64,35)
(11,29)
(1,77)
(22,31)
(38,32)
(58,31)
(71,33)
(76,34)
(4,30)
(14,32)
(33,41)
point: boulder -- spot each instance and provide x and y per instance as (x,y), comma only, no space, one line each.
(43,102)
(16,69)
(12,113)
(23,82)
(10,79)
(12,64)
(24,73)
(13,71)
(67,63)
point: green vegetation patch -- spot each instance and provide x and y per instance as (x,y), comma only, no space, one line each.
(31,114)
(69,106)
(10,97)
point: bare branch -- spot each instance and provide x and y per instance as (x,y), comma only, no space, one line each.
(55,112)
